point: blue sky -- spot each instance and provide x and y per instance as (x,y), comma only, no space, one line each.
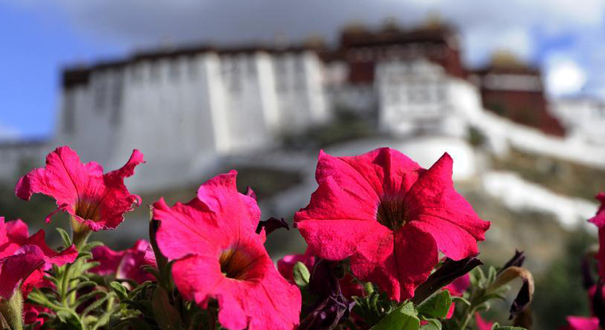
(37,39)
(34,47)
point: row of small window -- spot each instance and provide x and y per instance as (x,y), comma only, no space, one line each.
(404,113)
(229,65)
(369,54)
(421,95)
(156,71)
(232,70)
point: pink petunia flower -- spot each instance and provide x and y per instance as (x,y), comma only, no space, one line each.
(127,264)
(219,256)
(390,217)
(23,259)
(456,289)
(482,324)
(581,323)
(599,221)
(32,314)
(95,200)
(459,285)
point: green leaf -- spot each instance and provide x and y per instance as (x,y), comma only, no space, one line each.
(436,306)
(85,297)
(41,299)
(477,278)
(166,315)
(96,304)
(82,285)
(119,289)
(491,277)
(432,324)
(70,320)
(65,237)
(89,265)
(301,274)
(104,319)
(402,318)
(91,245)
(461,300)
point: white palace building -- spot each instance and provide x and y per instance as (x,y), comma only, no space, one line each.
(184,108)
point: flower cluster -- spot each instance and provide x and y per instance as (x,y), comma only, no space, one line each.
(391,245)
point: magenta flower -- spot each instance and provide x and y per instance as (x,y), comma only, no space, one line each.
(482,324)
(95,200)
(23,259)
(459,285)
(127,264)
(599,221)
(218,255)
(32,314)
(390,217)
(581,323)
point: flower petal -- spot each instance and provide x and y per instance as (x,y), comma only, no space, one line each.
(432,199)
(335,222)
(221,196)
(582,323)
(186,229)
(51,256)
(99,201)
(109,260)
(17,268)
(413,254)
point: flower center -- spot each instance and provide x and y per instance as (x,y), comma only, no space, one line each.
(87,210)
(391,213)
(238,265)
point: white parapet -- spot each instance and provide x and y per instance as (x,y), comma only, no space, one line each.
(521,195)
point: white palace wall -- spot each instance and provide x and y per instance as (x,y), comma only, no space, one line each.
(184,113)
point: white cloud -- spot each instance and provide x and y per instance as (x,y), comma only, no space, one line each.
(485,25)
(564,77)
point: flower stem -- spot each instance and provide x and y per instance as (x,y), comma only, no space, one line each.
(80,233)
(12,310)
(468,317)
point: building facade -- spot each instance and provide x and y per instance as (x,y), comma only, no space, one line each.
(418,97)
(185,108)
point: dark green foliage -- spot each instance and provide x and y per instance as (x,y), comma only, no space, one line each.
(559,292)
(345,126)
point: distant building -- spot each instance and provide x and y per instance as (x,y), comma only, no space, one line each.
(418,97)
(361,51)
(515,91)
(186,107)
